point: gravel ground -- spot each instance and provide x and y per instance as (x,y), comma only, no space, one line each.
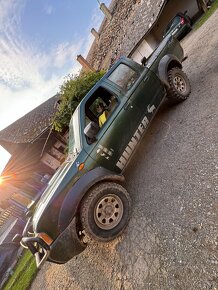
(172,238)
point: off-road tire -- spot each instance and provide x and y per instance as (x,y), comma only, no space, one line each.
(180,87)
(101,198)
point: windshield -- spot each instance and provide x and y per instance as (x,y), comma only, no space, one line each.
(74,135)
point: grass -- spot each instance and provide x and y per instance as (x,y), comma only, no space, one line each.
(206,15)
(24,273)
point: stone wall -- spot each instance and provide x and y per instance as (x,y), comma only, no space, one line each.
(131,20)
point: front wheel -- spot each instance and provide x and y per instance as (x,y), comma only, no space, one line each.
(180,87)
(105,211)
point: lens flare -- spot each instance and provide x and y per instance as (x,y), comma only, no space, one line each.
(6,177)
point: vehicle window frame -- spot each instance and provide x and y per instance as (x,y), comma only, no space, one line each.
(116,84)
(108,121)
(74,123)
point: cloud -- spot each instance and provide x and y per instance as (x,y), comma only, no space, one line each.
(107,2)
(66,52)
(14,106)
(98,15)
(96,20)
(29,76)
(4,156)
(16,69)
(10,12)
(48,9)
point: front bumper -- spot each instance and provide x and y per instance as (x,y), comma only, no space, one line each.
(64,247)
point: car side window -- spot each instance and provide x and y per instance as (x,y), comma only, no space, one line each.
(123,76)
(98,109)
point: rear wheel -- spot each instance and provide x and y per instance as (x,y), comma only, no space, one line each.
(180,87)
(105,211)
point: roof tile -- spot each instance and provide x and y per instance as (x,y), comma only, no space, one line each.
(30,126)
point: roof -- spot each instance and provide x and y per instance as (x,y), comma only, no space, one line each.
(30,126)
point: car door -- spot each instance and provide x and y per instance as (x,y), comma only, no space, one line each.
(114,136)
(139,94)
(146,94)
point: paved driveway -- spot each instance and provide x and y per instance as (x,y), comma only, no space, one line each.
(172,238)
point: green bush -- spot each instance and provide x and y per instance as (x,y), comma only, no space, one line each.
(72,92)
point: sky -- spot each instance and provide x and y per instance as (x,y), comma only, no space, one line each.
(39,42)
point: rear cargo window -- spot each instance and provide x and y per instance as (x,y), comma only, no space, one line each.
(123,76)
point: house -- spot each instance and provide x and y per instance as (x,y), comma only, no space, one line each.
(36,153)
(134,28)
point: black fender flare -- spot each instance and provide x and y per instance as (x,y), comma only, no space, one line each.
(166,63)
(76,193)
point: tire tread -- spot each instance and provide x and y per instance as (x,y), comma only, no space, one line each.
(90,195)
(173,95)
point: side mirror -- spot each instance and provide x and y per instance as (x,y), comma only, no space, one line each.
(91,131)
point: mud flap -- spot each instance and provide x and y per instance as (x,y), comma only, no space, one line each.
(67,245)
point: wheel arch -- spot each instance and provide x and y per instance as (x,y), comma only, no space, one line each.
(71,203)
(167,63)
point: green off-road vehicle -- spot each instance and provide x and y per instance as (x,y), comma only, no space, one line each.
(85,196)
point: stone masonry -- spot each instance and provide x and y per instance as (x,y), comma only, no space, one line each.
(131,20)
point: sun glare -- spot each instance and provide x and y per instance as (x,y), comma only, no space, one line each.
(4,157)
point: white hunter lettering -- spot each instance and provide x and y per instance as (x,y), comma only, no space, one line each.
(132,143)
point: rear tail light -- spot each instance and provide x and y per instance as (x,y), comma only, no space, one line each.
(182,21)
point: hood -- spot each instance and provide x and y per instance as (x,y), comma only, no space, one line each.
(45,217)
